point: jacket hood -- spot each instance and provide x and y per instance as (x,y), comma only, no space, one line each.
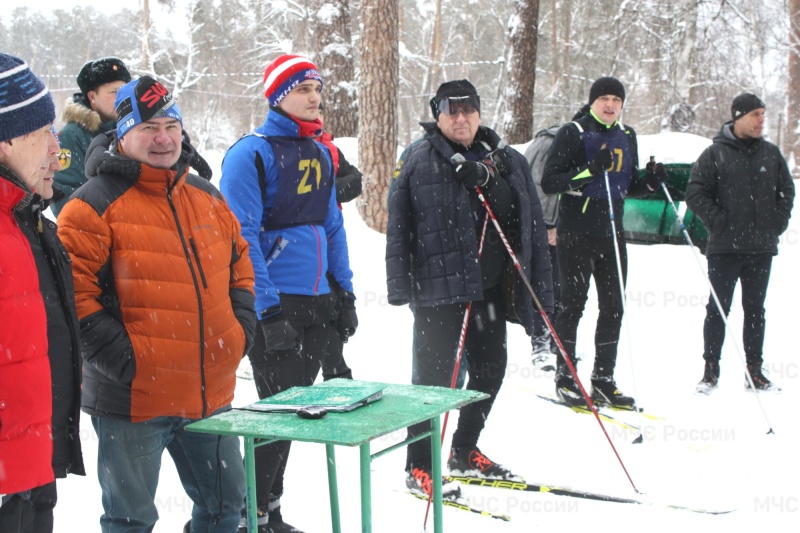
(725,136)
(77,111)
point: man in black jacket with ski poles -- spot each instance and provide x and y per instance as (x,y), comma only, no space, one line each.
(591,159)
(742,191)
(433,264)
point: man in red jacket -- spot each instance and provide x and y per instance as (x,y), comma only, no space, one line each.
(26,449)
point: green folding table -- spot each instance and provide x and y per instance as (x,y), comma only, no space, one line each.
(400,407)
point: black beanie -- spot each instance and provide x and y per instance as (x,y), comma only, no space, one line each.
(452,89)
(101,71)
(744,103)
(604,86)
(456,88)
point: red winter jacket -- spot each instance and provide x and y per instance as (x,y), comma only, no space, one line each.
(26,447)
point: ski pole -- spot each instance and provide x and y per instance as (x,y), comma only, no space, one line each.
(719,306)
(618,256)
(459,352)
(457,159)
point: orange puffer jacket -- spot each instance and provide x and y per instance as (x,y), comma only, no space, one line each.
(163,286)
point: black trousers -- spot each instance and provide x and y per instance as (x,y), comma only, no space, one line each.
(274,372)
(724,270)
(539,325)
(30,511)
(333,363)
(582,257)
(436,334)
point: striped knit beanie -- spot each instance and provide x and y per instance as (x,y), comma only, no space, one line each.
(286,73)
(25,103)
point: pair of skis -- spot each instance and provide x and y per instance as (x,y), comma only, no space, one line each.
(464,505)
(612,415)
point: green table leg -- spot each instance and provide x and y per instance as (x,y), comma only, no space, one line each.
(333,488)
(436,453)
(366,490)
(250,480)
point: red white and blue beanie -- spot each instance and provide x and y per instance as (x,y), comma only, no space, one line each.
(286,73)
(141,100)
(25,102)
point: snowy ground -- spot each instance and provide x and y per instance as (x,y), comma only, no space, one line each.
(701,451)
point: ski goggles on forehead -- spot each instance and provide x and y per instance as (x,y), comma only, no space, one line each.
(464,104)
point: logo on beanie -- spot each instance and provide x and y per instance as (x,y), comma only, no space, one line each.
(143,100)
(284,74)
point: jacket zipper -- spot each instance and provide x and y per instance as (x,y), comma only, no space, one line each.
(319,260)
(197,260)
(188,256)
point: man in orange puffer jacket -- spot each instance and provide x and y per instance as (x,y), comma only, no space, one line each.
(164,291)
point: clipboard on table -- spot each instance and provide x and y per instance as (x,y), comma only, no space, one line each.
(336,395)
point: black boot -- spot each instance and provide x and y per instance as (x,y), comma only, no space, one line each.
(567,389)
(605,392)
(759,379)
(710,378)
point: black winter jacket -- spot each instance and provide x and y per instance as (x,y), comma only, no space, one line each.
(566,159)
(55,283)
(432,247)
(743,194)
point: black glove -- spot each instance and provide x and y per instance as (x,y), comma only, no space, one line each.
(502,161)
(654,175)
(278,334)
(475,173)
(347,321)
(600,162)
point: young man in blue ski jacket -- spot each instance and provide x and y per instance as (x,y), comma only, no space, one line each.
(581,154)
(279,181)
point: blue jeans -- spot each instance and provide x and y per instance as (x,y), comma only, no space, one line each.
(128,464)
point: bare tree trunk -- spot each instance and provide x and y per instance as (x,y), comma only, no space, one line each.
(378,84)
(145,64)
(792,147)
(682,70)
(554,40)
(334,58)
(524,38)
(433,74)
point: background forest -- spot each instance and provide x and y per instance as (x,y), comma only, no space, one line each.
(682,61)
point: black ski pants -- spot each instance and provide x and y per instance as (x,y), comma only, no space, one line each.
(582,257)
(30,511)
(276,371)
(539,325)
(436,335)
(724,270)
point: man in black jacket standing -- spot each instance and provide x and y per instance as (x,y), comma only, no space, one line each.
(742,191)
(592,158)
(433,264)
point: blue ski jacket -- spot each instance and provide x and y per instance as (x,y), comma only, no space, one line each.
(281,188)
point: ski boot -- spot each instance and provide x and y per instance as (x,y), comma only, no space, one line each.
(710,379)
(759,380)
(543,356)
(567,389)
(420,482)
(605,392)
(470,462)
